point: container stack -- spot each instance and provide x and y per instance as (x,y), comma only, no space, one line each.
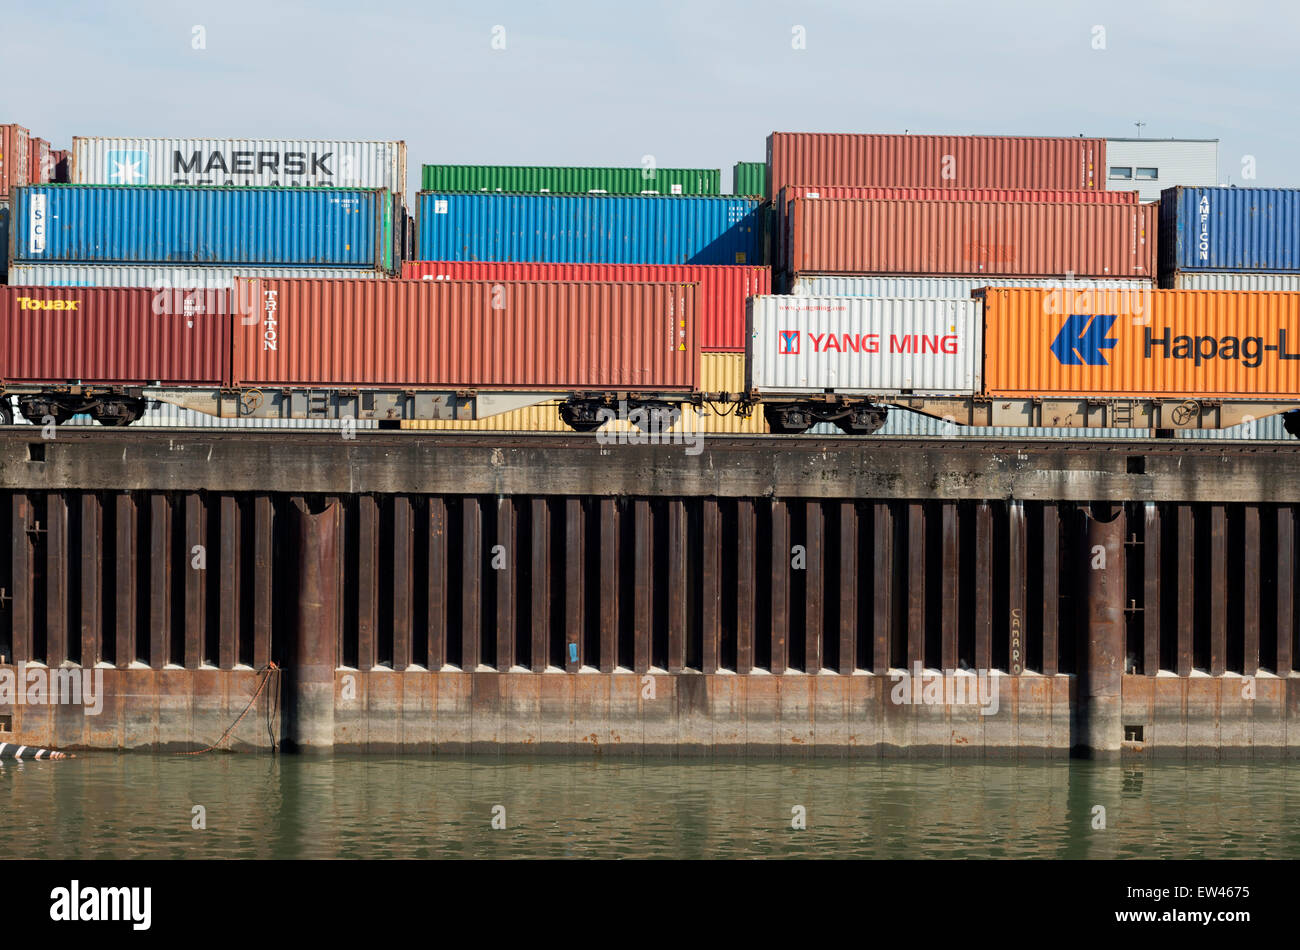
(620,225)
(24,159)
(1230,239)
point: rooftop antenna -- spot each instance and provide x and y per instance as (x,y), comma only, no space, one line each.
(1139,125)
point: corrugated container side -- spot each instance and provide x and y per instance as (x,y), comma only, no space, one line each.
(749,179)
(607,229)
(965,237)
(40,165)
(890,285)
(111,336)
(1185,344)
(14,163)
(163,415)
(1236,280)
(310,227)
(62,166)
(287,162)
(183,278)
(467,334)
(1229,229)
(571,180)
(934,161)
(4,241)
(863,345)
(720,314)
(719,373)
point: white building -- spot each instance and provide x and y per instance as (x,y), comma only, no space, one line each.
(1148,166)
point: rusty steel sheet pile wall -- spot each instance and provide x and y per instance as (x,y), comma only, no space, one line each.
(847,236)
(934,161)
(1171,343)
(518,335)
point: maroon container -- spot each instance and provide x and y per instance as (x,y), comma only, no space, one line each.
(113,336)
(977,238)
(14,162)
(437,334)
(934,161)
(40,167)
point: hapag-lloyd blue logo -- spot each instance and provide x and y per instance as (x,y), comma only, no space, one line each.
(127,166)
(1082,339)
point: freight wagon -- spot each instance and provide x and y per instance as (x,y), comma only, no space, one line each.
(723,290)
(299,227)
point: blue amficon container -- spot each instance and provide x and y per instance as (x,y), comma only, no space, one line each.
(128,224)
(589,229)
(1229,229)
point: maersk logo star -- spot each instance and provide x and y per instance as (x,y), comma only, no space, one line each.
(1082,339)
(128,167)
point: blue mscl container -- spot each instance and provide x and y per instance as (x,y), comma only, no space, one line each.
(128,224)
(1229,229)
(589,229)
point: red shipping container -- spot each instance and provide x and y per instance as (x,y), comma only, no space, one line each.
(13,159)
(62,171)
(40,167)
(934,161)
(448,334)
(113,336)
(1009,239)
(720,313)
(790,192)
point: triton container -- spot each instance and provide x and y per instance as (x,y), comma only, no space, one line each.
(604,229)
(720,317)
(858,345)
(460,335)
(571,180)
(301,227)
(934,161)
(283,162)
(1187,344)
(841,236)
(1229,229)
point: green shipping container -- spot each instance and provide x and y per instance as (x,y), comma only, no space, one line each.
(572,180)
(749,179)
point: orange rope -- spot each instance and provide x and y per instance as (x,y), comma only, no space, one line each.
(271,667)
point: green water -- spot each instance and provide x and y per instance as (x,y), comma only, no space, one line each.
(127,806)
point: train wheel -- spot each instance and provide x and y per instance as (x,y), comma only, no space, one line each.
(788,419)
(864,421)
(118,412)
(582,416)
(1291,422)
(6,411)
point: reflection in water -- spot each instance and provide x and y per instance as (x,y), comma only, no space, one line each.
(123,806)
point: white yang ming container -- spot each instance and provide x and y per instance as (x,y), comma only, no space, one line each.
(863,345)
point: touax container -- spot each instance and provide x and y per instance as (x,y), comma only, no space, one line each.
(592,229)
(1229,229)
(298,227)
(284,162)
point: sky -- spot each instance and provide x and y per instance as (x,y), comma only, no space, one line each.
(693,84)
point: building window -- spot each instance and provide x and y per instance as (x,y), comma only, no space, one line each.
(1149,173)
(1119,171)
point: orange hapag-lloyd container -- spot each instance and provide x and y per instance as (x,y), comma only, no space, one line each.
(498,335)
(1158,343)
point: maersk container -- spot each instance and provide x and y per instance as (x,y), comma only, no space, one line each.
(749,179)
(1229,229)
(283,162)
(861,345)
(832,285)
(593,229)
(571,180)
(158,277)
(298,227)
(1233,280)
